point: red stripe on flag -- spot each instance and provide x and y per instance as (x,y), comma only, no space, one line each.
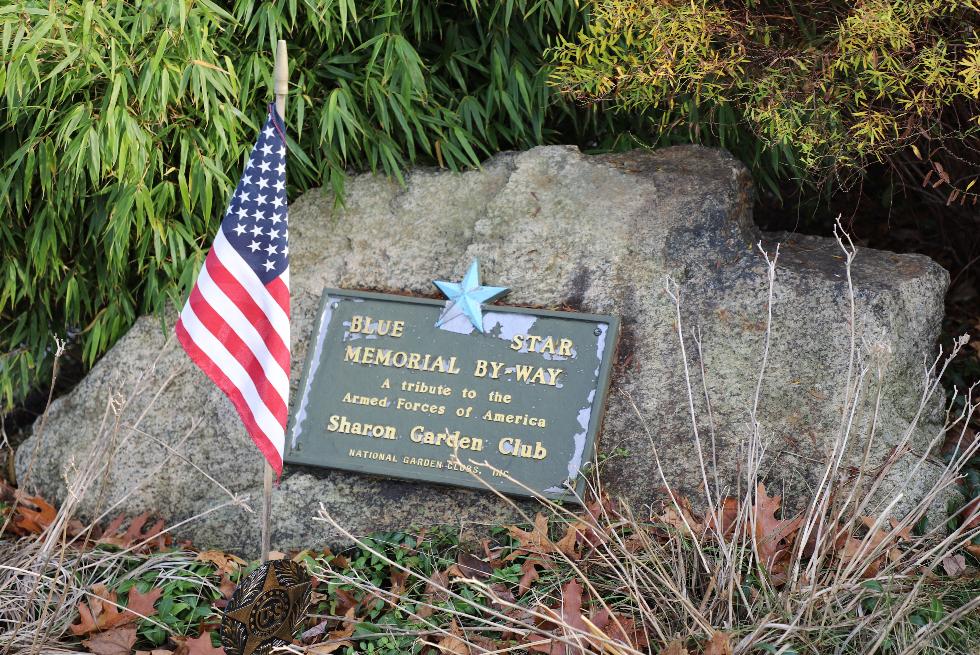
(210,369)
(238,349)
(240,296)
(280,293)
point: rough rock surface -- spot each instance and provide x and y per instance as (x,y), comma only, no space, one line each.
(600,234)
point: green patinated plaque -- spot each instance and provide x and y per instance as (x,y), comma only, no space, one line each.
(387,392)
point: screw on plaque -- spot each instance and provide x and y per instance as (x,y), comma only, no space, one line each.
(597,331)
(265,609)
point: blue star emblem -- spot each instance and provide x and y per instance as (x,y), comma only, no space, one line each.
(467,297)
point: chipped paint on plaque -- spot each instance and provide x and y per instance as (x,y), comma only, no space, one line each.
(321,334)
(505,325)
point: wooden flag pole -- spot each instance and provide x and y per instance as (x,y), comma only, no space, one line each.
(280,80)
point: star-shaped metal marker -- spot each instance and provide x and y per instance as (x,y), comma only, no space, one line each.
(265,609)
(467,297)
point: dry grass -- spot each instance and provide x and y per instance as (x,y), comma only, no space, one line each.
(44,578)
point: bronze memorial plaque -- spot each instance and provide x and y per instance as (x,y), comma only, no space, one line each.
(387,391)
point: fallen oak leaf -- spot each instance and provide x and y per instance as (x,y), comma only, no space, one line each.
(453,643)
(345,601)
(567,544)
(118,641)
(773,537)
(619,628)
(223,562)
(98,612)
(199,645)
(719,644)
(34,521)
(436,591)
(337,638)
(493,554)
(227,587)
(529,573)
(143,604)
(681,521)
(399,581)
(675,647)
(954,565)
(135,535)
(535,541)
(727,515)
(502,596)
(473,567)
(568,614)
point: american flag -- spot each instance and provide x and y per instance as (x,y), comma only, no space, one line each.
(235,325)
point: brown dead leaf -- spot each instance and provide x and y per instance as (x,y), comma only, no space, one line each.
(436,587)
(32,514)
(529,573)
(345,601)
(774,537)
(223,562)
(675,647)
(473,567)
(848,547)
(143,604)
(399,581)
(501,594)
(338,638)
(493,554)
(719,644)
(339,562)
(728,515)
(137,534)
(568,544)
(99,612)
(226,586)
(568,614)
(683,521)
(200,645)
(453,643)
(535,541)
(118,641)
(954,565)
(619,628)
(678,514)
(435,592)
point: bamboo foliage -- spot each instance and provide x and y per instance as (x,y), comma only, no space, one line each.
(123,126)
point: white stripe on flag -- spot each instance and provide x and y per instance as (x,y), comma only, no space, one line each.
(239,377)
(252,284)
(236,320)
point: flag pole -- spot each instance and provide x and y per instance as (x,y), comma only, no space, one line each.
(280,81)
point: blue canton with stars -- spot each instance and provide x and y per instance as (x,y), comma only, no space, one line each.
(255,223)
